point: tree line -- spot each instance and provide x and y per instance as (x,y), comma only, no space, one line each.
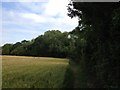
(53,43)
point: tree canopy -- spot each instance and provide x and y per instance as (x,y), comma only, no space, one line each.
(53,44)
(98,44)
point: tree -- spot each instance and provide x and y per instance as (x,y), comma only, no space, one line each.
(95,20)
(6,49)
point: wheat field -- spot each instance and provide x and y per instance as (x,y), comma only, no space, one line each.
(33,72)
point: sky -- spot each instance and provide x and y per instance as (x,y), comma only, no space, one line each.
(27,19)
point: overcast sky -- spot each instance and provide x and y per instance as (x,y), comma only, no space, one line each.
(25,19)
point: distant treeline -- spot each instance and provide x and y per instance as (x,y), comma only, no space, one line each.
(52,44)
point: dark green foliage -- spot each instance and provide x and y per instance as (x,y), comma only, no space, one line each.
(97,47)
(52,44)
(6,49)
(69,78)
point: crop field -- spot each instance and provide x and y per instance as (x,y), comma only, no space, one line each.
(33,72)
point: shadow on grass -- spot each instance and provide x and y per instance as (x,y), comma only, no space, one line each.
(74,76)
(69,78)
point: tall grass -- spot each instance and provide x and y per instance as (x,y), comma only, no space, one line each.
(33,72)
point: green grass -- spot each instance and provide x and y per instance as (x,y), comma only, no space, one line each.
(75,76)
(33,72)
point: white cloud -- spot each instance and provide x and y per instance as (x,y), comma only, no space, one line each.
(34,7)
(54,7)
(54,12)
(34,17)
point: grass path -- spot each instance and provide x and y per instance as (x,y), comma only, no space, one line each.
(76,80)
(78,76)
